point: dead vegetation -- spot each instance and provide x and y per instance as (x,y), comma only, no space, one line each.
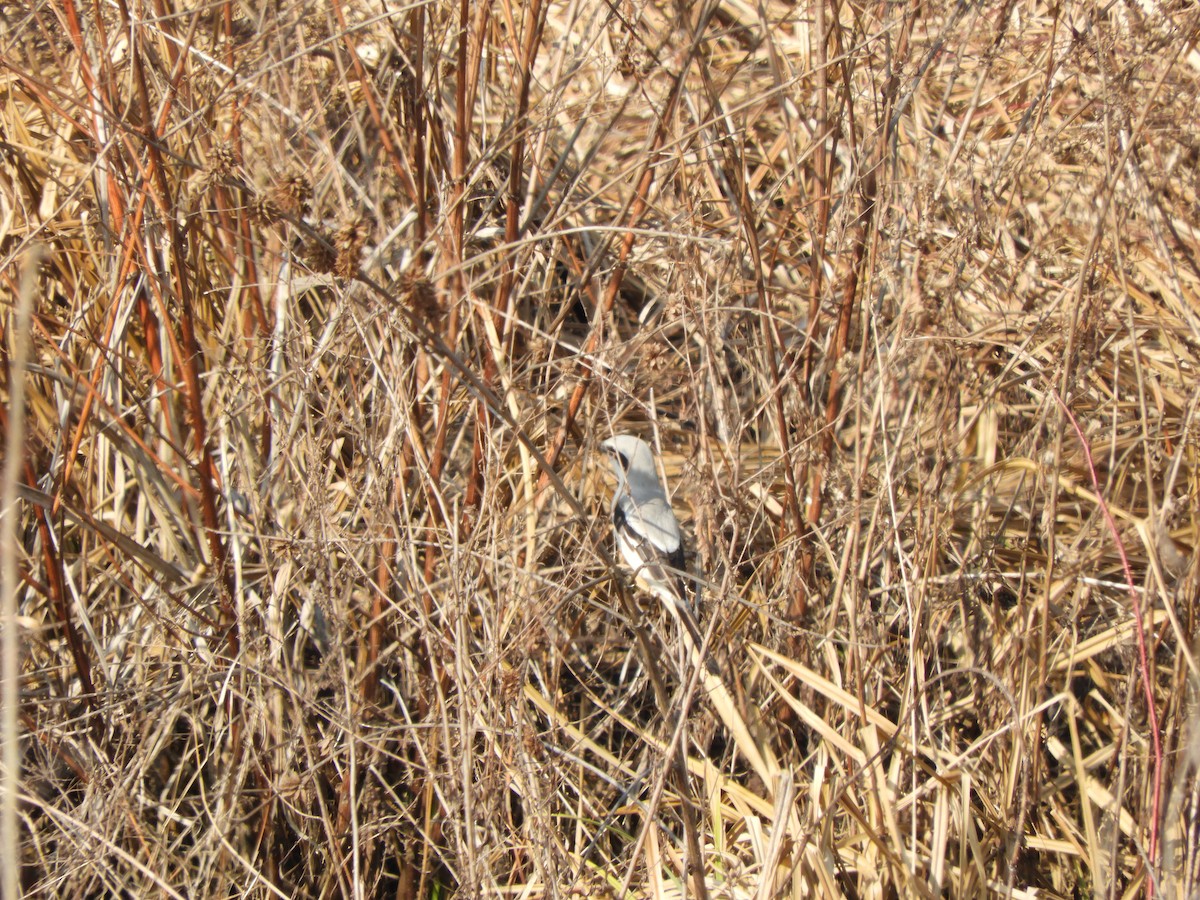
(331,306)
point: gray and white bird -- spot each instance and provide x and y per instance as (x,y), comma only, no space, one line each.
(650,543)
(647,532)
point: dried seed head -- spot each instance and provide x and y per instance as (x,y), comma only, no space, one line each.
(224,165)
(418,295)
(292,196)
(349,243)
(319,256)
(265,210)
(657,357)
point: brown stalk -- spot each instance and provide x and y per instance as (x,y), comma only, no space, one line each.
(823,178)
(190,358)
(635,208)
(456,234)
(383,129)
(863,236)
(420,154)
(534,22)
(131,247)
(774,377)
(798,605)
(256,314)
(453,292)
(57,586)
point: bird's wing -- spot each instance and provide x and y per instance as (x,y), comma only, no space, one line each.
(651,543)
(652,520)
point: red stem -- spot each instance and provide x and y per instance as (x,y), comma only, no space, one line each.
(1139,630)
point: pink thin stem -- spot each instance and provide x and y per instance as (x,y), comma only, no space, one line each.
(1151,712)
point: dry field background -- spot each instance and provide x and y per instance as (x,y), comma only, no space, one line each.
(314,315)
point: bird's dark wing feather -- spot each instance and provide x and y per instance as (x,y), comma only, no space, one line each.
(663,572)
(658,566)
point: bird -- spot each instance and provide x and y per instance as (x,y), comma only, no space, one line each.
(647,532)
(651,544)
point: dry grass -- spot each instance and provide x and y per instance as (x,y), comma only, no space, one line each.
(332,308)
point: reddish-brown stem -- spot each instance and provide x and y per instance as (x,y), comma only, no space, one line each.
(822,175)
(399,166)
(606,304)
(454,285)
(1139,631)
(869,190)
(634,210)
(54,573)
(416,25)
(533,25)
(155,183)
(771,353)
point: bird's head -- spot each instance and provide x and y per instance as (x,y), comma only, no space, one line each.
(633,462)
(627,452)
